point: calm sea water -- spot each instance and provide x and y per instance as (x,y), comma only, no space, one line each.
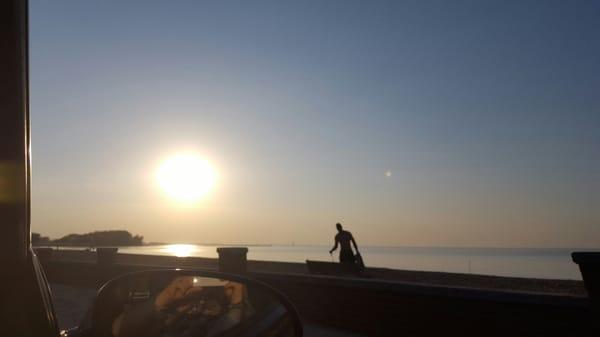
(522,262)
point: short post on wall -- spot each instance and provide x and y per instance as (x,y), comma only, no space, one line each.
(233,260)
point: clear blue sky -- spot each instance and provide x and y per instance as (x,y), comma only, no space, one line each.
(485,115)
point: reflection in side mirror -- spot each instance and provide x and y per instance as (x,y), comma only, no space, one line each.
(173,303)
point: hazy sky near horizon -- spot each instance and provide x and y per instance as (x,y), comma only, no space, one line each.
(444,123)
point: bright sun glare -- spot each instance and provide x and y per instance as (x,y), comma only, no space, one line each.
(180,250)
(186,178)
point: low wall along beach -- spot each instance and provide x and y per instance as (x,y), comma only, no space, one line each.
(389,301)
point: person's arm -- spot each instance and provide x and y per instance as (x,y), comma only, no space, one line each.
(140,320)
(116,326)
(146,319)
(334,246)
(234,291)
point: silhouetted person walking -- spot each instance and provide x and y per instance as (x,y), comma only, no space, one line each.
(343,238)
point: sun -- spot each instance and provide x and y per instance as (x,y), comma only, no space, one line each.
(186,178)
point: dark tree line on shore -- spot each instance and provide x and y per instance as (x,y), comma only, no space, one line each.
(93,239)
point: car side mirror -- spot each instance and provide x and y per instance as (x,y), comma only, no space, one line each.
(190,303)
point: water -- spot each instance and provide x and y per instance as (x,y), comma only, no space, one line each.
(547,263)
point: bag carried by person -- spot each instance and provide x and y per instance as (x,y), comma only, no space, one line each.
(359,261)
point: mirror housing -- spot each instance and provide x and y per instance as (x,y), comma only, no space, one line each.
(185,302)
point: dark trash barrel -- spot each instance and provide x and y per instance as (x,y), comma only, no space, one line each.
(106,255)
(589,265)
(233,259)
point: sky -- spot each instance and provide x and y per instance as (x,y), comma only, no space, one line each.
(413,123)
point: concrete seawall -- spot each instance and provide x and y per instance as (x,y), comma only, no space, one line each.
(373,307)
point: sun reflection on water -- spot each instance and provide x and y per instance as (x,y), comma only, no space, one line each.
(180,250)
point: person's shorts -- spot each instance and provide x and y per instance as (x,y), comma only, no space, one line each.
(346,257)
